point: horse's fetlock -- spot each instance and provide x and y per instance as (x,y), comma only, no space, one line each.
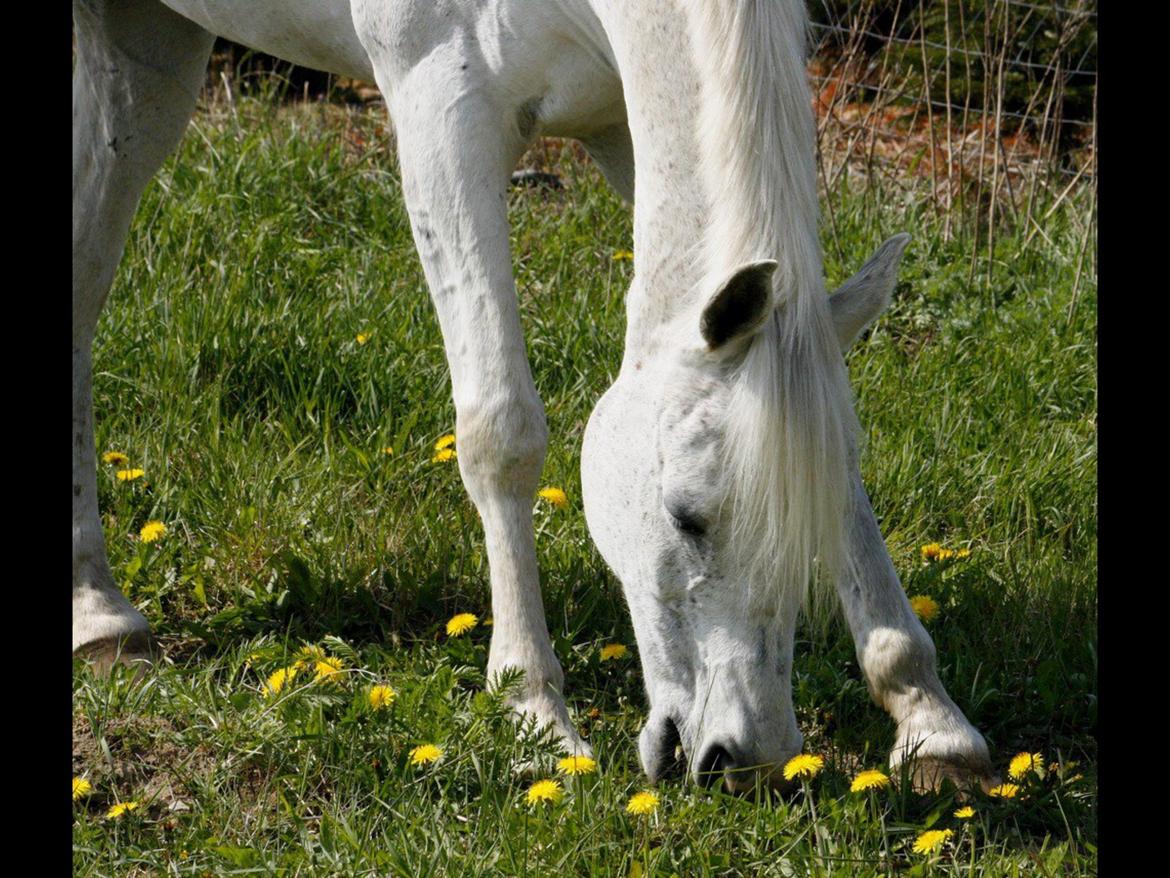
(897,662)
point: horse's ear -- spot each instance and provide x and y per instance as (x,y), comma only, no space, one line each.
(860,300)
(739,306)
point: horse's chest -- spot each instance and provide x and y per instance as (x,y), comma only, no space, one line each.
(579,96)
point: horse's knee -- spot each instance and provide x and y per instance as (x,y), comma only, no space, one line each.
(502,443)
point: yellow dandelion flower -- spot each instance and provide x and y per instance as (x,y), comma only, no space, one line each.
(120,808)
(425,754)
(946,554)
(965,813)
(924,606)
(644,802)
(1064,771)
(555,496)
(81,788)
(309,654)
(577,765)
(362,337)
(963,553)
(869,780)
(803,765)
(544,791)
(1023,764)
(129,475)
(445,442)
(381,696)
(461,624)
(278,679)
(115,458)
(931,841)
(623,256)
(329,669)
(151,531)
(930,551)
(389,449)
(445,455)
(1004,791)
(613,651)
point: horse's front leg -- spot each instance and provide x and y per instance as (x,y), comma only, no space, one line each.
(897,657)
(137,74)
(457,146)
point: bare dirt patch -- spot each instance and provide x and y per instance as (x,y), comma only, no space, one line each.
(142,758)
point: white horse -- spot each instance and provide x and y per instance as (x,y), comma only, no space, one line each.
(720,470)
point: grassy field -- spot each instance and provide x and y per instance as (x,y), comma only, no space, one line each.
(229,368)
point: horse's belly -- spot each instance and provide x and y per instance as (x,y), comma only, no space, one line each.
(312,33)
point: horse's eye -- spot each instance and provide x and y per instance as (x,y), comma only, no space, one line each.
(688,524)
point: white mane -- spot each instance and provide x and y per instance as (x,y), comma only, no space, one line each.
(791,417)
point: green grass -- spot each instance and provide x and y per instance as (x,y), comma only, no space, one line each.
(227,368)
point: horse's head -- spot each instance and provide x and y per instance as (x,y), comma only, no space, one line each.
(678,481)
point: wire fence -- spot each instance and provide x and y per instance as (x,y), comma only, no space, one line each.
(983,91)
(989,103)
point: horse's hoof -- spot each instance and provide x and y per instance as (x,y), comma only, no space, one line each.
(558,739)
(137,649)
(930,774)
(546,763)
(531,178)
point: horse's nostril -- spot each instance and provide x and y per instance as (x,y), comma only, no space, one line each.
(657,746)
(712,763)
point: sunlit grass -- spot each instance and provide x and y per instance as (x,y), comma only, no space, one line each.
(228,369)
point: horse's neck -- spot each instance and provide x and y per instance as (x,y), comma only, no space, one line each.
(661,89)
(754,195)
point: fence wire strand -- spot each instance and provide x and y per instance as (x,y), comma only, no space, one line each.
(992,103)
(1023,73)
